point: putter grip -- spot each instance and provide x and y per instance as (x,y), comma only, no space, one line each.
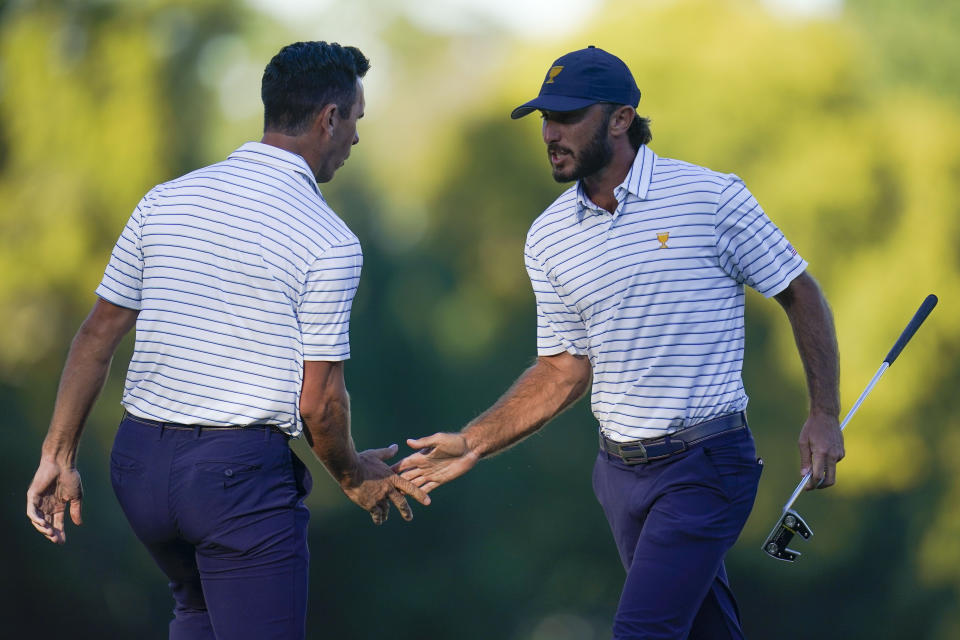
(925,308)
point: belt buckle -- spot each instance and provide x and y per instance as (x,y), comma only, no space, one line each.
(636,455)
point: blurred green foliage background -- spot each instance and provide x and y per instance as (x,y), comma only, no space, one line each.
(844,123)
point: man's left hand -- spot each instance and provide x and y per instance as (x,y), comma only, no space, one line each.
(821,447)
(374,485)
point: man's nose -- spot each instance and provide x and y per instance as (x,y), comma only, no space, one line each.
(551,132)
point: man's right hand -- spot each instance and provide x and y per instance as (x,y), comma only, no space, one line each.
(373,486)
(54,490)
(440,458)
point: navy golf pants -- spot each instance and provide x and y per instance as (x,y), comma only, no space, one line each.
(673,521)
(221,511)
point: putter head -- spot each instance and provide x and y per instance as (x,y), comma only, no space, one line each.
(790,524)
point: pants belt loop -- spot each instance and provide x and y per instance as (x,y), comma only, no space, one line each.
(196,431)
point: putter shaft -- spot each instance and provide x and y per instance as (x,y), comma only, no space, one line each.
(853,410)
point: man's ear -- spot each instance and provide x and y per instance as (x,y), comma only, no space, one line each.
(326,119)
(622,119)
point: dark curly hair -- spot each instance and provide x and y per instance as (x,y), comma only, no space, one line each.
(303,78)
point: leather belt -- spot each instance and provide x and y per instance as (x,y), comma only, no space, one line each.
(646,450)
(203,427)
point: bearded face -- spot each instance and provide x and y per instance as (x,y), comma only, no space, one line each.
(570,163)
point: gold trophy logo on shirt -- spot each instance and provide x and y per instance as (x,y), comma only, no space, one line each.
(663,237)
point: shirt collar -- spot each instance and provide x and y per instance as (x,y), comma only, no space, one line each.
(279,158)
(637,182)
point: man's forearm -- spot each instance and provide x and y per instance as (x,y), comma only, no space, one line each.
(328,433)
(816,340)
(325,409)
(84,375)
(540,393)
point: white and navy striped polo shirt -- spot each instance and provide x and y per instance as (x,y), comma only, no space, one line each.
(240,272)
(653,293)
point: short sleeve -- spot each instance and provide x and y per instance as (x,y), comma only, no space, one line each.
(558,328)
(751,249)
(328,291)
(122,282)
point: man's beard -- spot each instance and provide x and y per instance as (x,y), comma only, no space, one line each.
(591,159)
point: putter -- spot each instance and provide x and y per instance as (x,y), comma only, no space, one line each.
(790,522)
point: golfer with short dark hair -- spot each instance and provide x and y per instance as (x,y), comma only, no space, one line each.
(239,278)
(638,271)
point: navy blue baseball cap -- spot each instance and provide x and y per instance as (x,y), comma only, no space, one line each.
(582,78)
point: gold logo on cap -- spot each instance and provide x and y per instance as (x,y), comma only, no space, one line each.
(663,237)
(553,73)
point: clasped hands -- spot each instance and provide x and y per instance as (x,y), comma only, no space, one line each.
(437,460)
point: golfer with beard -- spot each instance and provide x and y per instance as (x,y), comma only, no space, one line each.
(638,270)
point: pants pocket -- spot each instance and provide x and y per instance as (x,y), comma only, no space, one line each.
(232,502)
(124,469)
(131,481)
(738,468)
(227,473)
(221,493)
